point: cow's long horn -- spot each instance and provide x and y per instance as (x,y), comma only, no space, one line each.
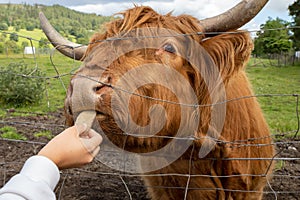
(66,47)
(235,17)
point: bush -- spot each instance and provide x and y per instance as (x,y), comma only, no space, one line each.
(12,46)
(20,86)
(24,44)
(44,43)
(14,37)
(30,27)
(17,28)
(3,27)
(1,48)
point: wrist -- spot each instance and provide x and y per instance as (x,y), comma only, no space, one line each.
(41,168)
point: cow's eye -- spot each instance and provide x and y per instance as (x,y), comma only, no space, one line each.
(169,48)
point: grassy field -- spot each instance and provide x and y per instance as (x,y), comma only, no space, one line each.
(55,87)
(282,82)
(280,110)
(36,35)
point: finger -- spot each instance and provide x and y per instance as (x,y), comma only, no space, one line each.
(97,137)
(91,143)
(95,152)
(92,133)
(81,129)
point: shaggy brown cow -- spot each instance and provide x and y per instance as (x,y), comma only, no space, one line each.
(145,38)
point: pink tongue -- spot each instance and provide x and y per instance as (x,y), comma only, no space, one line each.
(86,117)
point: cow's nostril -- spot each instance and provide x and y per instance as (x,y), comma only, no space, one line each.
(70,110)
(109,79)
(98,88)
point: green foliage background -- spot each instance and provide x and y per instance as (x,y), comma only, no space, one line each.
(295,13)
(24,18)
(271,41)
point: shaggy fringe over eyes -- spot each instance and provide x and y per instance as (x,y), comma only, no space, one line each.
(143,17)
(229,51)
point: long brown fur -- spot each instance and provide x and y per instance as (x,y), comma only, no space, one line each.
(244,119)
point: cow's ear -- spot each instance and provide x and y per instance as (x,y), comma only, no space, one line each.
(230,52)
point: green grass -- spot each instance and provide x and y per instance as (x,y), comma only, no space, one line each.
(9,132)
(36,35)
(55,92)
(280,111)
(47,134)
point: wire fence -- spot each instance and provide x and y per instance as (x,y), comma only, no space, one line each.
(97,181)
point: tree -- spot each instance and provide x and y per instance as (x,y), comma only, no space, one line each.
(14,37)
(3,37)
(273,37)
(12,46)
(2,48)
(30,26)
(24,44)
(43,43)
(17,28)
(3,27)
(295,13)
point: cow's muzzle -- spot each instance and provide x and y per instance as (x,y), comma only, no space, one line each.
(89,93)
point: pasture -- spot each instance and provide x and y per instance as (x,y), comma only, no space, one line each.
(57,70)
(274,87)
(36,35)
(280,82)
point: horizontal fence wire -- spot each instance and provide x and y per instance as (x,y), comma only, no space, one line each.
(291,137)
(157,36)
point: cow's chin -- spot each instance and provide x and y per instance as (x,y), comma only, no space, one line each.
(127,141)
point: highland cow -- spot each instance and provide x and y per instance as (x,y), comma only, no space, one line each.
(219,162)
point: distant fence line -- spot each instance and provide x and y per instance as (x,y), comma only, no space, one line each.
(38,51)
(279,59)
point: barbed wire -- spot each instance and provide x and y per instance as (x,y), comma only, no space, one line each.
(250,142)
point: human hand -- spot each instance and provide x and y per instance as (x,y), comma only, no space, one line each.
(74,147)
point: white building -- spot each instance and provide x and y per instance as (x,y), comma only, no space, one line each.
(29,50)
